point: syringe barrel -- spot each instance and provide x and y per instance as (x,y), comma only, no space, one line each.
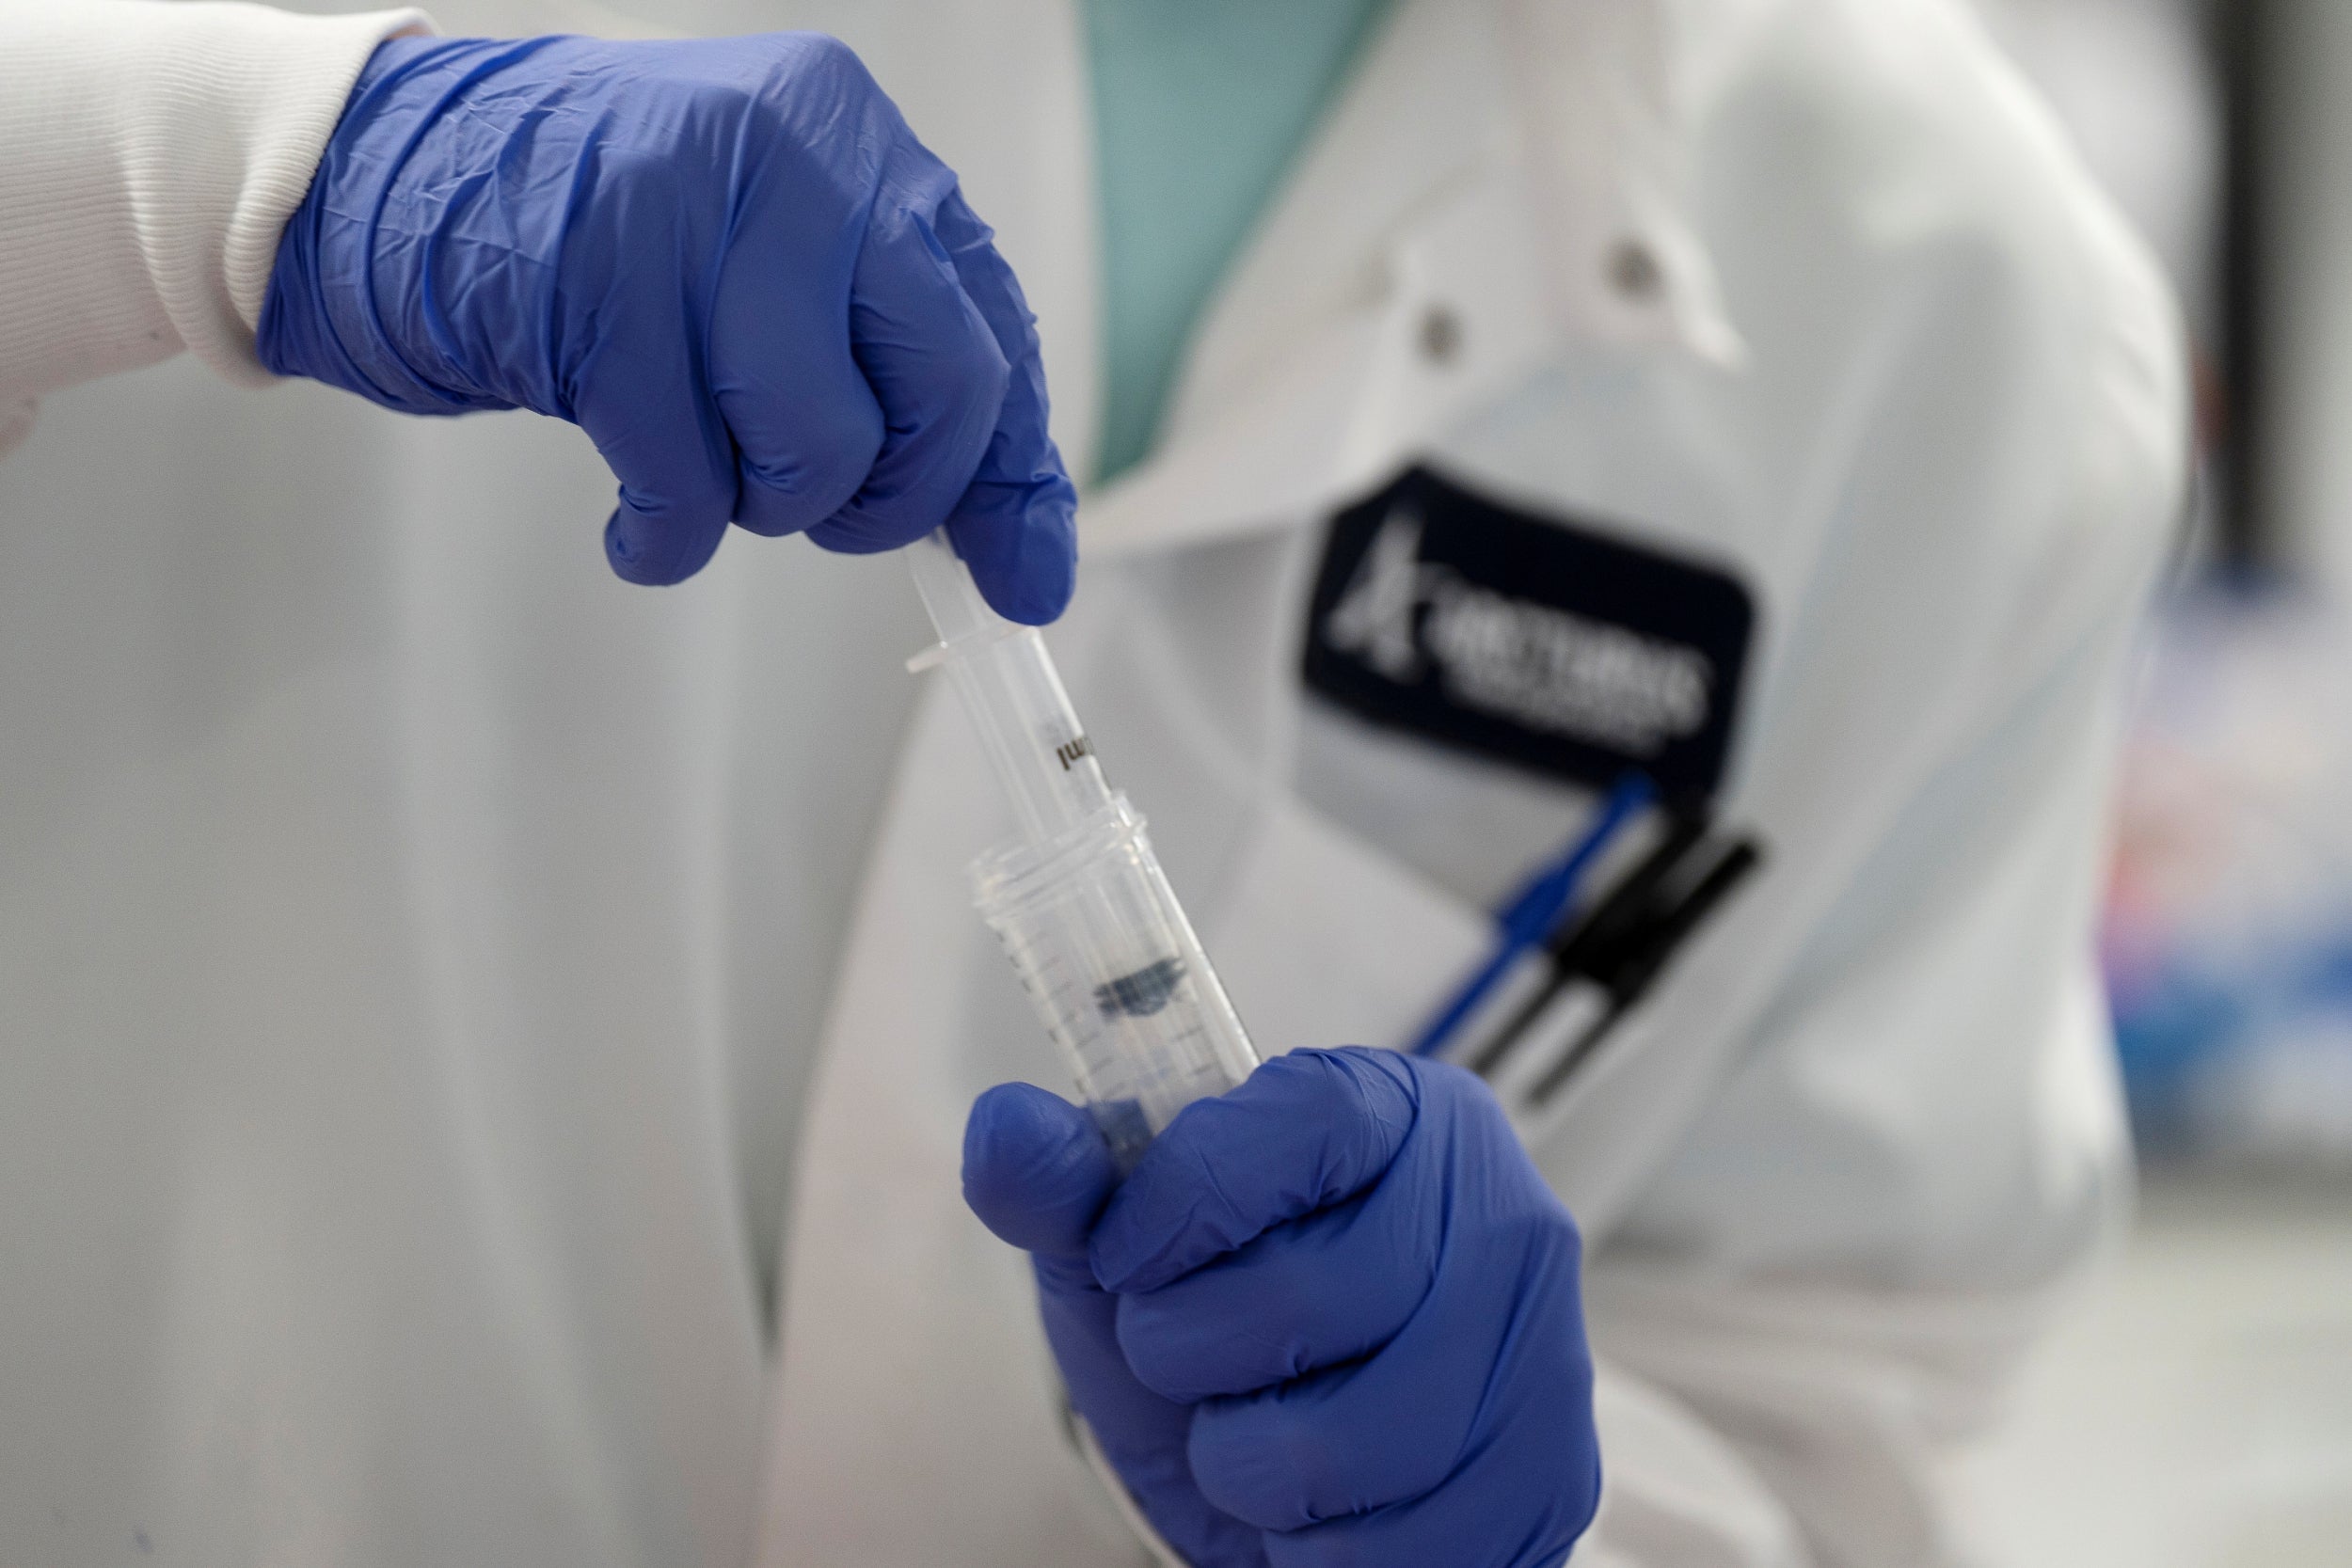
(1082,906)
(1114,969)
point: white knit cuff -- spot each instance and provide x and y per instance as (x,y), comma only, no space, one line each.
(150,155)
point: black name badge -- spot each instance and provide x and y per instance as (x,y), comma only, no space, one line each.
(1526,637)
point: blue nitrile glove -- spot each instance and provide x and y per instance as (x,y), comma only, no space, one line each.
(1332,1319)
(728,260)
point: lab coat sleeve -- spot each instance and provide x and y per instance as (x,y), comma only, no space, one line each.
(1870,1142)
(149,155)
(1914,1161)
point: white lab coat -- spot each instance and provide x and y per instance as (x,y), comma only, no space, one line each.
(415,943)
(1839,1164)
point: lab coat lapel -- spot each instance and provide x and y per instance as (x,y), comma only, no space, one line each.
(1502,176)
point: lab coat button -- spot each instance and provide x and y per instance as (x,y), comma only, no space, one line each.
(1633,271)
(1440,334)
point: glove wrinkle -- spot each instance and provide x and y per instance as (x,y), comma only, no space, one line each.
(720,257)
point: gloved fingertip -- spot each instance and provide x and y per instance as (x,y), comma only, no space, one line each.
(1030,599)
(1027,565)
(658,555)
(1036,1169)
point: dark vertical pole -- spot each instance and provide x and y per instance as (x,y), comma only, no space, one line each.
(2244,33)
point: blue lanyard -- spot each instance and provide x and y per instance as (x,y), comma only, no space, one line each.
(1528,919)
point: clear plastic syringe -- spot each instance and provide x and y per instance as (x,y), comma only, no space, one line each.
(1081,905)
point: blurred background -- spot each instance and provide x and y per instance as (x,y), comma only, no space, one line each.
(2197,1412)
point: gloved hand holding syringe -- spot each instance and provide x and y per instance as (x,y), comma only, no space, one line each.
(1334,1308)
(1081,904)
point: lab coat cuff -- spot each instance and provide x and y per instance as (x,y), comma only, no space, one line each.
(157,152)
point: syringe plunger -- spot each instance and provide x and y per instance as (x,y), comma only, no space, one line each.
(1007,682)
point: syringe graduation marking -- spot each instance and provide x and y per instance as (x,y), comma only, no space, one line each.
(1071,750)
